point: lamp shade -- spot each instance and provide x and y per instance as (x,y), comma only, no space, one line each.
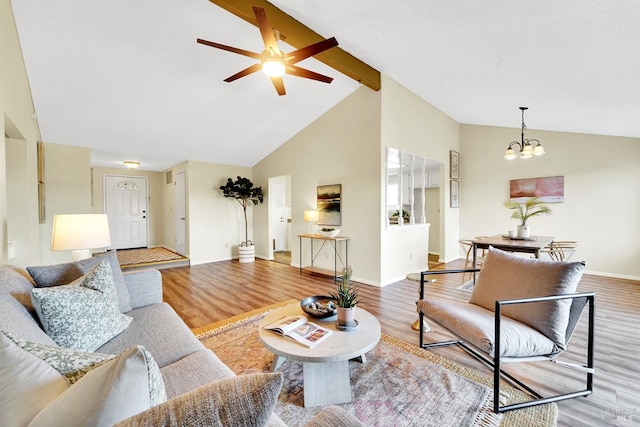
(80,232)
(311,216)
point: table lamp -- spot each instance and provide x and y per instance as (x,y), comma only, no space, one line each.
(312,217)
(80,233)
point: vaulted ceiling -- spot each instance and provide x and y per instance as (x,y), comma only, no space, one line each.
(128,79)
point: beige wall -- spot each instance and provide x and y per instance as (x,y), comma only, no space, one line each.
(413,125)
(16,122)
(602,182)
(156,202)
(341,147)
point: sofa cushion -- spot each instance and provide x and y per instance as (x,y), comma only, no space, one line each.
(19,322)
(505,276)
(158,328)
(62,274)
(193,371)
(84,314)
(475,325)
(245,400)
(110,392)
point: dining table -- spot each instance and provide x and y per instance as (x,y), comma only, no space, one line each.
(531,245)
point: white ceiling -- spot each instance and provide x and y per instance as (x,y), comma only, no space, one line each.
(128,79)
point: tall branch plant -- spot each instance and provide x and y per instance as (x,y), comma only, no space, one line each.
(246,194)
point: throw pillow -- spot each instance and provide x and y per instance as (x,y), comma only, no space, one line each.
(244,400)
(62,274)
(99,389)
(84,314)
(27,384)
(505,276)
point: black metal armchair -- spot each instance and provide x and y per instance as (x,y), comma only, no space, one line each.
(521,310)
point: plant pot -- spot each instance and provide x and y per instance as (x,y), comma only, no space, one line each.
(523,231)
(247,253)
(346,316)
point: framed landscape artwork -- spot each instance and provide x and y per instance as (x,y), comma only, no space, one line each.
(329,201)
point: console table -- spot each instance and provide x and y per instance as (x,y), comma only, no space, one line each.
(334,242)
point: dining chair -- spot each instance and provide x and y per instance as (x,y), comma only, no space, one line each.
(521,310)
(561,250)
(467,245)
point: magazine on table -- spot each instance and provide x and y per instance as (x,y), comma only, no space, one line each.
(299,329)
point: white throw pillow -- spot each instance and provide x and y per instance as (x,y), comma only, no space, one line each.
(27,384)
(83,315)
(113,391)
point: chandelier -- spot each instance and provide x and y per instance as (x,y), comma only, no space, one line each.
(524,145)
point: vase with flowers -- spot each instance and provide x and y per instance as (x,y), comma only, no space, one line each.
(346,297)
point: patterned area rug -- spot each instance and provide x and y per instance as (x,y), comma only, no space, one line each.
(147,256)
(400,384)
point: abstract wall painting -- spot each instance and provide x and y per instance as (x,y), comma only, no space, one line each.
(329,204)
(548,189)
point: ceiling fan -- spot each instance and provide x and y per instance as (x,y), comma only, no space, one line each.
(273,61)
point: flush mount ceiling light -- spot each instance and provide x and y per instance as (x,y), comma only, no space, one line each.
(131,164)
(524,145)
(274,62)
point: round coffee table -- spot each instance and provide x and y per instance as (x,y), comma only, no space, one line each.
(326,365)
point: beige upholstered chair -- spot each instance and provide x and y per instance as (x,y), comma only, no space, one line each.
(521,309)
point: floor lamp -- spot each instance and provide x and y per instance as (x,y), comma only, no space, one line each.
(80,233)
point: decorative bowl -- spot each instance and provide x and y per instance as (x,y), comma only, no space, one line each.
(329,232)
(319,307)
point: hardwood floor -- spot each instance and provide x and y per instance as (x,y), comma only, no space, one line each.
(208,293)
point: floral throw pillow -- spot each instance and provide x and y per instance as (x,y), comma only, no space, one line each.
(84,314)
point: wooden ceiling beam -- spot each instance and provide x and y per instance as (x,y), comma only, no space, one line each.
(298,35)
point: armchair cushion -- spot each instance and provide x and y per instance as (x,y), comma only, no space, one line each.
(475,325)
(505,276)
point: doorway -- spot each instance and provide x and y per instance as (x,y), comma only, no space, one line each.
(126,207)
(279,220)
(181,213)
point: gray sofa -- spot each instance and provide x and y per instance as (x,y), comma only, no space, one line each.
(197,384)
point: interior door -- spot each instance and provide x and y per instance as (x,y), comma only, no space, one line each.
(181,214)
(126,208)
(278,218)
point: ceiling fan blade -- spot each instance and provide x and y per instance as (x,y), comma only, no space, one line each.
(269,38)
(313,49)
(231,49)
(245,72)
(279,85)
(308,74)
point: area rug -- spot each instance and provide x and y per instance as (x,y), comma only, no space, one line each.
(399,385)
(147,256)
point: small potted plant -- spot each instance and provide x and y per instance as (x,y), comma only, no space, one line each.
(526,210)
(346,297)
(245,193)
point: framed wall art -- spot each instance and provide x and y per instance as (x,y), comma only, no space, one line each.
(455,194)
(329,204)
(454,164)
(548,189)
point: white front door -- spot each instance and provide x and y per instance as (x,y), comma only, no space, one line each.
(278,217)
(126,208)
(181,214)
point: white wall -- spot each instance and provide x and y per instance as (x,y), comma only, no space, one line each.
(602,182)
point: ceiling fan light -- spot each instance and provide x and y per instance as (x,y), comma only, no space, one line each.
(273,68)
